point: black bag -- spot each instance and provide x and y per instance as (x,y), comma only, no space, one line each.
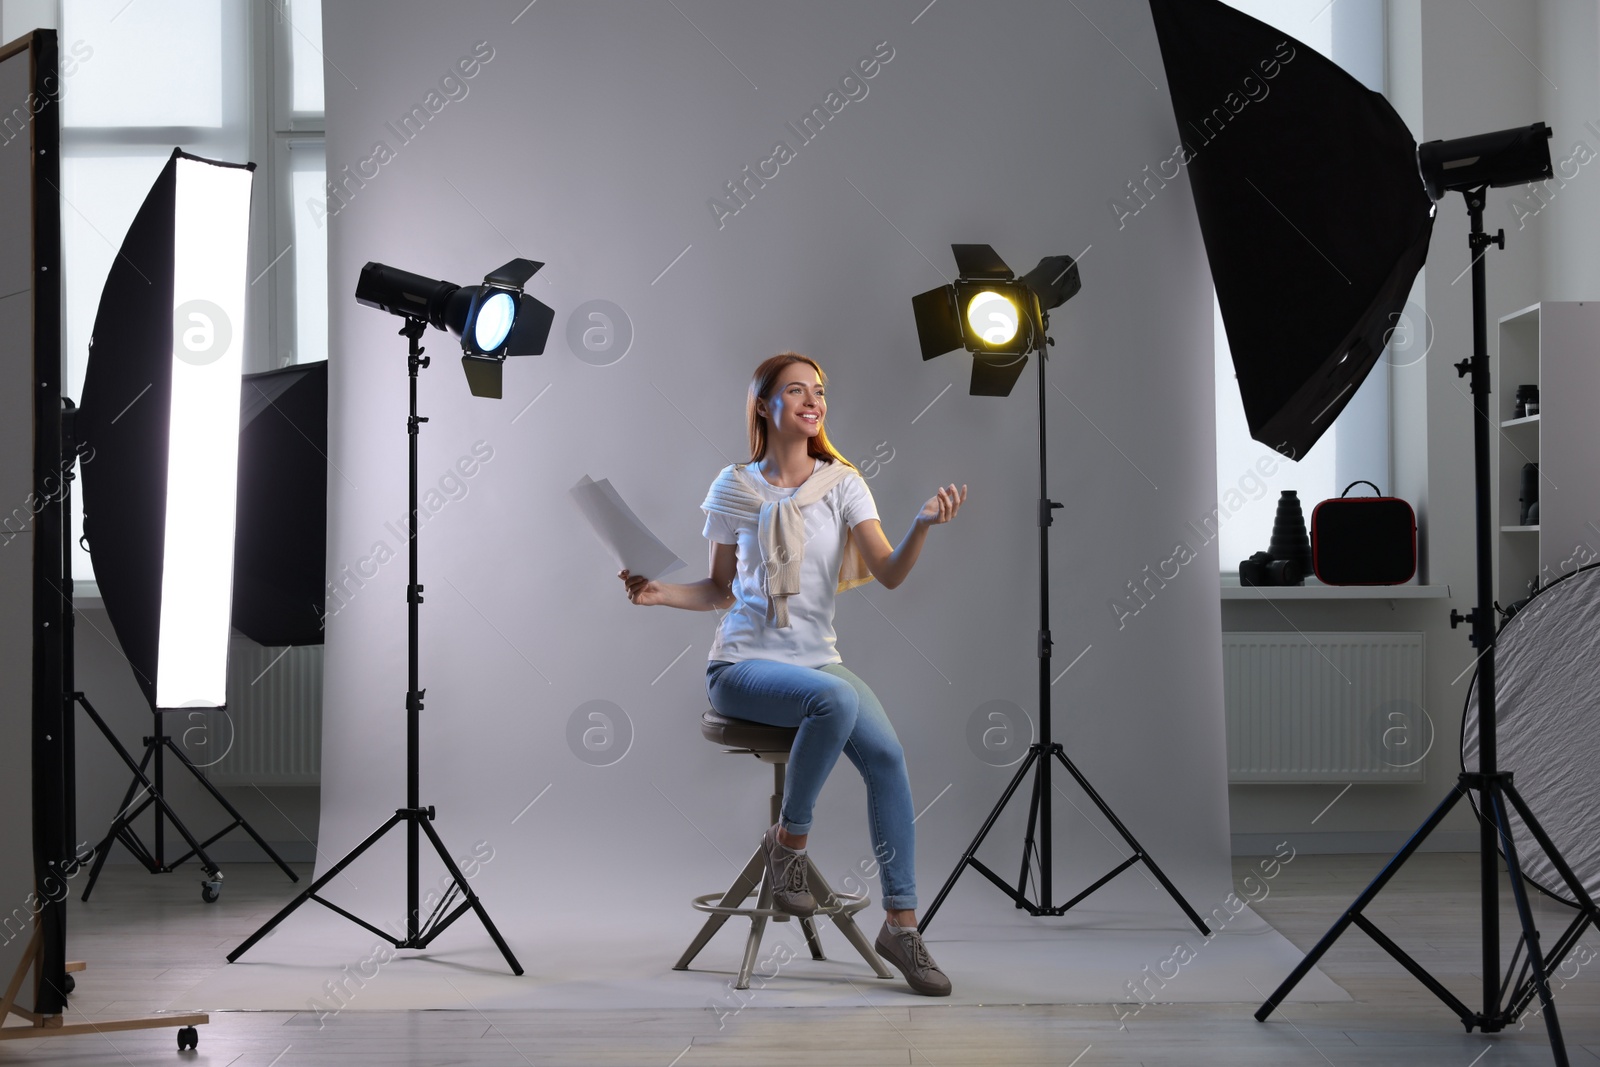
(1365,540)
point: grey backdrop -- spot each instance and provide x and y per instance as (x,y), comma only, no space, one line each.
(592,140)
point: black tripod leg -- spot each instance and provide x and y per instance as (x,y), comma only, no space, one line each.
(231,810)
(1587,912)
(988,824)
(312,889)
(1027,839)
(139,779)
(1530,932)
(123,817)
(163,808)
(139,783)
(119,828)
(136,768)
(1579,892)
(1373,889)
(1105,809)
(472,898)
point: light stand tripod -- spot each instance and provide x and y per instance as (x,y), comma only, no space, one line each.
(150,788)
(1042,751)
(1502,1003)
(417,819)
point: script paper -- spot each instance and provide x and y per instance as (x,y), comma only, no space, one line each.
(628,539)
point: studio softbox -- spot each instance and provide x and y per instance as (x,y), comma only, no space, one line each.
(1313,211)
(161,412)
(279,579)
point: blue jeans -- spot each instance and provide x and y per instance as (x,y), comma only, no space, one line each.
(835,711)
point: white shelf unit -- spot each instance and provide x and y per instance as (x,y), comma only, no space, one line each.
(1555,345)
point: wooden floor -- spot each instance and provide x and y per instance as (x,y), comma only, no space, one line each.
(149,939)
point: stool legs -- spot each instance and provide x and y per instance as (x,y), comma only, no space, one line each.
(845,921)
(754,875)
(748,879)
(758,926)
(809,927)
(754,879)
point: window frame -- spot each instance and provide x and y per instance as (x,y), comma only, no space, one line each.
(285,133)
(272,132)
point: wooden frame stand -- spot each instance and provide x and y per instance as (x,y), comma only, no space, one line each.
(57,1025)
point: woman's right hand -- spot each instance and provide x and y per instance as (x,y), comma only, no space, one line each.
(641,590)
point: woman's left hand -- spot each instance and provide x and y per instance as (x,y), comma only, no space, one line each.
(943,506)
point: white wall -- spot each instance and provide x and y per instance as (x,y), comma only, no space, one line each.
(1568,82)
(17,17)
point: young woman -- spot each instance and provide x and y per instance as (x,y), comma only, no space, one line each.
(788,530)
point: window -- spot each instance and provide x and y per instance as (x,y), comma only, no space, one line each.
(301,168)
(1352,33)
(227,79)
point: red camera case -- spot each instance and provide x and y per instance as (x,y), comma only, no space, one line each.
(1364,540)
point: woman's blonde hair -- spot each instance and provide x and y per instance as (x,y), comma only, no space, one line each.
(762,385)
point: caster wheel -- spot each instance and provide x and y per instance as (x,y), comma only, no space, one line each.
(210,891)
(188,1038)
(68,983)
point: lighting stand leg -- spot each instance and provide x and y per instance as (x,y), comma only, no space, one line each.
(1492,784)
(310,892)
(1044,749)
(121,826)
(1586,904)
(1588,915)
(1353,914)
(419,931)
(155,746)
(1139,854)
(472,900)
(969,858)
(1027,843)
(1530,932)
(118,824)
(238,820)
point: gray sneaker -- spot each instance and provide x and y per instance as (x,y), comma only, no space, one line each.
(786,873)
(910,956)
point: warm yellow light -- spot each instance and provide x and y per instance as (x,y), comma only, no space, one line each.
(992,317)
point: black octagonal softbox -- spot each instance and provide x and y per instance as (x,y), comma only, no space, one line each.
(1313,210)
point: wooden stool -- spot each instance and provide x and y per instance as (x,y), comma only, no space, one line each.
(770,744)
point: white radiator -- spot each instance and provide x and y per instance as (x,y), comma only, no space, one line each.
(1325,707)
(271,733)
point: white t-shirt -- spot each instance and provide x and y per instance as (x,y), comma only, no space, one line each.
(808,640)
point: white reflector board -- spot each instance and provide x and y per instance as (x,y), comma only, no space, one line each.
(211,232)
(1547,717)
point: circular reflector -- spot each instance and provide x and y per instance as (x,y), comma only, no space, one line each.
(993,317)
(1547,672)
(495,315)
